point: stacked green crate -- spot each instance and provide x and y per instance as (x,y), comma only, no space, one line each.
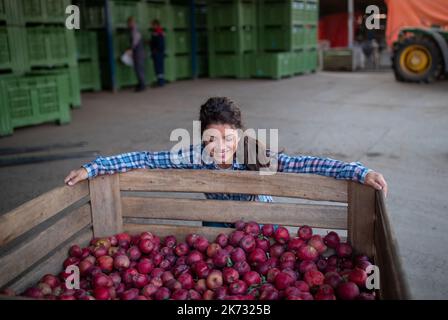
(88,60)
(180,40)
(48,46)
(202,40)
(287,37)
(310,46)
(232,37)
(33,99)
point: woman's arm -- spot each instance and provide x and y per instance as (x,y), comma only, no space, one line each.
(332,168)
(183,159)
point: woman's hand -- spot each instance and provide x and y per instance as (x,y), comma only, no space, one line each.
(376,180)
(76,176)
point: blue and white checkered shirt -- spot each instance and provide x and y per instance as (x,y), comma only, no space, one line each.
(191,158)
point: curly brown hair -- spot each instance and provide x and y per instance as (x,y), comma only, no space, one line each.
(222,110)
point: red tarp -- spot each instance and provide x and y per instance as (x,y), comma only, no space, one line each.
(414,13)
(334,28)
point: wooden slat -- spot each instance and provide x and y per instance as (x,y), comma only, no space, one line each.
(304,186)
(36,211)
(53,264)
(106,205)
(387,258)
(293,214)
(179,231)
(361,218)
(15,262)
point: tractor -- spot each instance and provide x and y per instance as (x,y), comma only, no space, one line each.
(420,54)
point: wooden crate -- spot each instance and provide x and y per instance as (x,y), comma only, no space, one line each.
(35,237)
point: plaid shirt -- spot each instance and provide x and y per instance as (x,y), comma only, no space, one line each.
(192,158)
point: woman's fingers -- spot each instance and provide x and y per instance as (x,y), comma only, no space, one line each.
(70,176)
(76,176)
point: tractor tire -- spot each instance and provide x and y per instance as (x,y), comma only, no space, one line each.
(416,60)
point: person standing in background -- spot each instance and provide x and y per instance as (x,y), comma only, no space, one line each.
(138,53)
(157,45)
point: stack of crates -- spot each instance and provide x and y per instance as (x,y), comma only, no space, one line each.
(232,35)
(88,60)
(287,38)
(202,39)
(180,40)
(38,72)
(50,47)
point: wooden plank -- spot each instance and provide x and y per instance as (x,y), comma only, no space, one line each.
(305,186)
(36,211)
(179,231)
(392,277)
(361,218)
(293,214)
(15,262)
(52,264)
(106,205)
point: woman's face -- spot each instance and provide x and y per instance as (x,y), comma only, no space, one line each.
(221,140)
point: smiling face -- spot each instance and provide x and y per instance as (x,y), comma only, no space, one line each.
(221,140)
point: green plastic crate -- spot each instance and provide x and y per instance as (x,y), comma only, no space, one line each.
(9,13)
(122,10)
(182,42)
(311,11)
(159,11)
(276,39)
(31,100)
(180,16)
(50,46)
(298,60)
(12,49)
(298,37)
(311,36)
(89,75)
(72,74)
(283,13)
(183,67)
(86,45)
(93,15)
(232,13)
(230,65)
(273,65)
(310,60)
(42,11)
(233,40)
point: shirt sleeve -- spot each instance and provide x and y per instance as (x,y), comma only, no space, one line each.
(323,166)
(181,159)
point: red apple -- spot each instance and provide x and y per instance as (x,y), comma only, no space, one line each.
(242,267)
(256,257)
(186,280)
(248,243)
(238,287)
(252,228)
(332,240)
(222,239)
(359,277)
(344,250)
(106,263)
(235,237)
(134,253)
(181,249)
(252,278)
(230,275)
(314,278)
(121,262)
(214,279)
(162,294)
(317,243)
(145,266)
(146,246)
(267,230)
(305,232)
(307,253)
(281,235)
(283,280)
(276,250)
(212,249)
(170,241)
(347,291)
(238,255)
(201,244)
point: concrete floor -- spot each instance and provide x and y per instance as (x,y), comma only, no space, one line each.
(398,129)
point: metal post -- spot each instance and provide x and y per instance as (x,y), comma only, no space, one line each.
(194,40)
(110,45)
(350,23)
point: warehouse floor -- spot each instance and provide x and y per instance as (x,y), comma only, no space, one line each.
(398,129)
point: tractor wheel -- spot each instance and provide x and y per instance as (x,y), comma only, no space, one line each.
(416,60)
